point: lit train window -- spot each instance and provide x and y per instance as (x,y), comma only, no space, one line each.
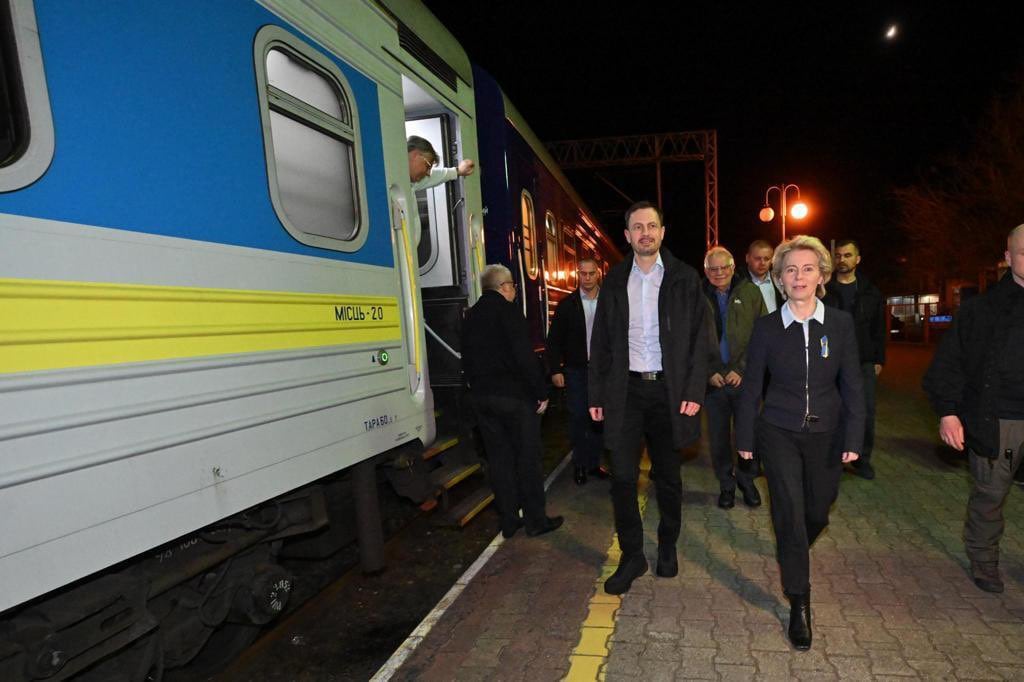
(569,249)
(311,131)
(26,125)
(550,245)
(529,234)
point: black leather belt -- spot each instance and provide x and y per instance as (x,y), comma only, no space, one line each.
(647,376)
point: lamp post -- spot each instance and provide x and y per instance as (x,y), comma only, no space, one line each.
(799,209)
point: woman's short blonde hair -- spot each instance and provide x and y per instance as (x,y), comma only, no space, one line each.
(804,243)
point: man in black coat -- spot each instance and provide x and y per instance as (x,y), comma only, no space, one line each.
(758,264)
(856,294)
(568,353)
(509,393)
(648,371)
(976,385)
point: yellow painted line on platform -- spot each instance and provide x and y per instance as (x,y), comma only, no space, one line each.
(588,659)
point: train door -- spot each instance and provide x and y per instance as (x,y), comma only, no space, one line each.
(442,249)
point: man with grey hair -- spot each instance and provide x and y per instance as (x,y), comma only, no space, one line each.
(423,170)
(509,393)
(976,385)
(735,303)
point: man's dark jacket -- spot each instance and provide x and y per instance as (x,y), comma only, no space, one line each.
(567,337)
(964,377)
(497,357)
(745,305)
(744,272)
(683,330)
(868,317)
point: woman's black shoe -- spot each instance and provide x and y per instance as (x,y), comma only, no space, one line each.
(800,621)
(630,568)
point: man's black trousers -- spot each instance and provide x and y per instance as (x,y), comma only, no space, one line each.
(803,471)
(511,432)
(720,406)
(647,418)
(587,442)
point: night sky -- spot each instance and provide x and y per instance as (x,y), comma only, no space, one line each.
(808,94)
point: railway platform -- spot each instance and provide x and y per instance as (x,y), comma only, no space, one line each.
(891,597)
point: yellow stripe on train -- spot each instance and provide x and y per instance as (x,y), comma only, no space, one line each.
(53,325)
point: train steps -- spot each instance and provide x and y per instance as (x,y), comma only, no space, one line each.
(457,463)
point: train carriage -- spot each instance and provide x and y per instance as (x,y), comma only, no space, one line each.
(223,307)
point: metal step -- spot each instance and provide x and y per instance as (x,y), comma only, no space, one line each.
(450,475)
(439,446)
(473,504)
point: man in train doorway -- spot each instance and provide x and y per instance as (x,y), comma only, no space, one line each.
(568,351)
(648,370)
(976,385)
(424,172)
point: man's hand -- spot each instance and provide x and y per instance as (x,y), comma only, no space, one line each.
(733,379)
(688,408)
(466,167)
(849,457)
(716,380)
(542,405)
(878,370)
(597,414)
(746,454)
(951,431)
(558,380)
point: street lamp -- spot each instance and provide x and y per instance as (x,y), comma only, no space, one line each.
(798,210)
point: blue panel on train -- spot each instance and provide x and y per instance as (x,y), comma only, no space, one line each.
(158,129)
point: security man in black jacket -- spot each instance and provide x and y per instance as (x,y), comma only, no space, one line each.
(976,384)
(509,394)
(568,353)
(851,291)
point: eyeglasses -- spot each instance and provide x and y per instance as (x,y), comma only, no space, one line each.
(719,268)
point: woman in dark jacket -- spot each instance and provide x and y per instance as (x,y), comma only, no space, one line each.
(813,411)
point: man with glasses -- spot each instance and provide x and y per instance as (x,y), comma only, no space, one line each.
(856,294)
(568,352)
(509,394)
(735,303)
(647,375)
(422,161)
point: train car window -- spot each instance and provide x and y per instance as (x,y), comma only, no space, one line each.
(311,131)
(569,249)
(550,246)
(26,124)
(529,221)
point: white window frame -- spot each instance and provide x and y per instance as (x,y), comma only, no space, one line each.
(274,37)
(528,221)
(38,155)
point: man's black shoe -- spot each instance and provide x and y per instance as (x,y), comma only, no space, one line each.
(580,476)
(630,568)
(507,531)
(550,523)
(986,576)
(668,563)
(600,472)
(727,499)
(864,470)
(751,497)
(800,621)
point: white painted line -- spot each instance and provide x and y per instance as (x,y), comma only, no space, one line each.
(403,652)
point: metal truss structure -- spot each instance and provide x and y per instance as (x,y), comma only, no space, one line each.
(638,150)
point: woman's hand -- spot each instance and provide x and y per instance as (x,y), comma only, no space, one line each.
(745,454)
(849,457)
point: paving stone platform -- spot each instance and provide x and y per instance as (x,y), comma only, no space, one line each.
(891,598)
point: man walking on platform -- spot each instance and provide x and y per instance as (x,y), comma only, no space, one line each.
(648,372)
(759,264)
(568,351)
(854,293)
(736,303)
(976,384)
(509,395)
